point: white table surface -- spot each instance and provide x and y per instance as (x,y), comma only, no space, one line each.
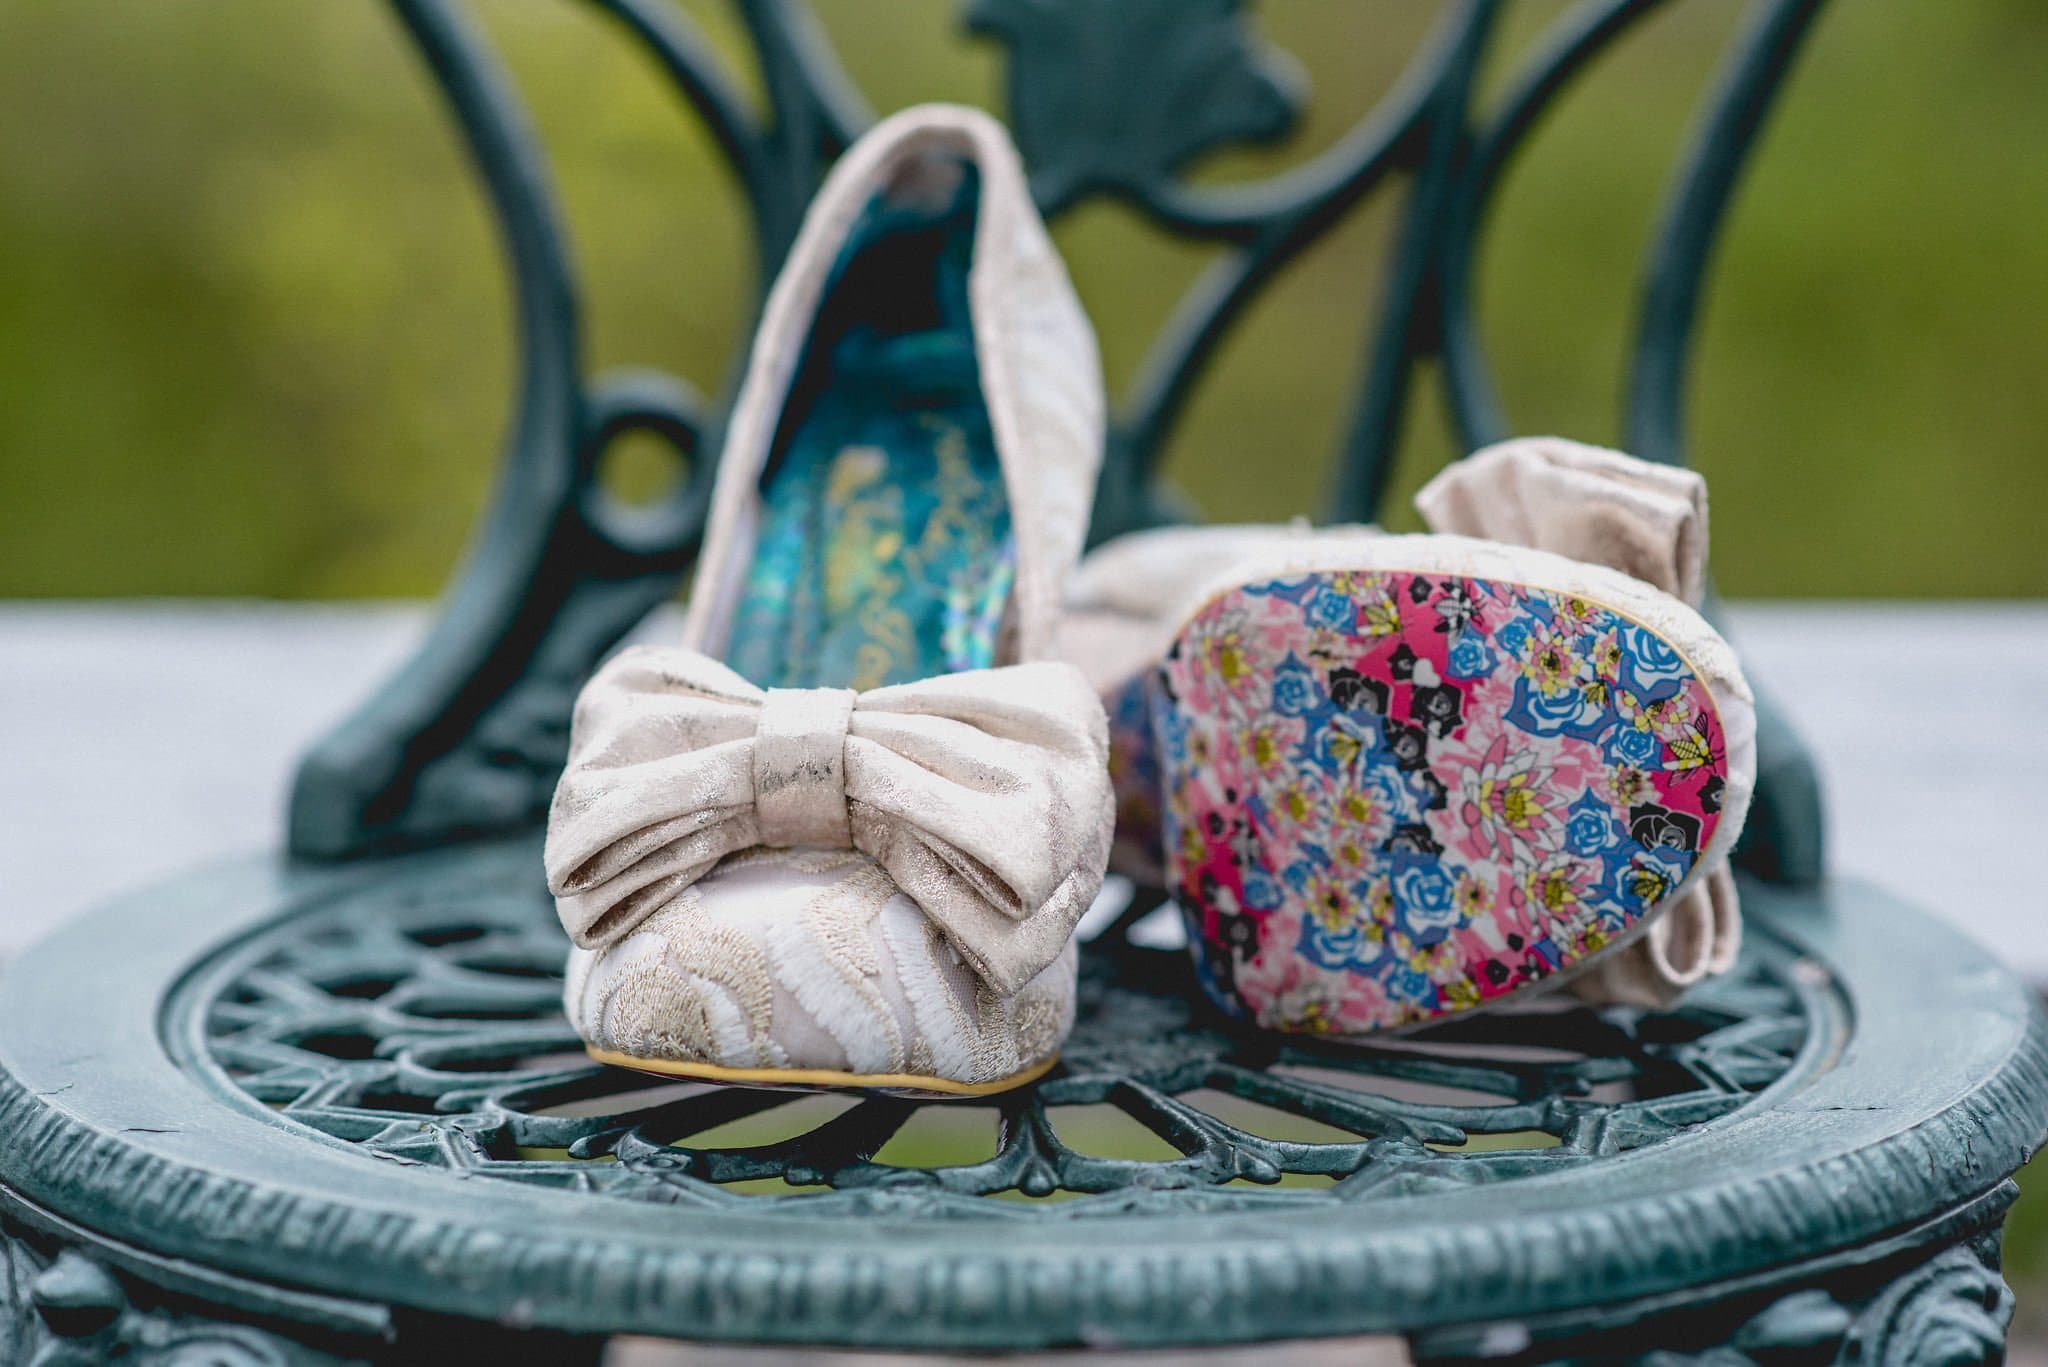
(139,739)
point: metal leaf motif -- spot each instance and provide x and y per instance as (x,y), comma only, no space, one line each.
(61,1308)
(1121,97)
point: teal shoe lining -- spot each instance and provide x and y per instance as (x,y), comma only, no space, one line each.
(885,551)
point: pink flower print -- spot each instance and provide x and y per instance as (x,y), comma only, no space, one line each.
(1321,786)
(1363,821)
(1471,897)
(1555,888)
(1549,662)
(1506,800)
(1277,636)
(1298,802)
(1266,744)
(1625,785)
(1573,615)
(1605,656)
(1216,643)
(1311,1007)
(1663,718)
(1330,902)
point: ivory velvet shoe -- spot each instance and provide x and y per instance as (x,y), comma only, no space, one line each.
(1393,778)
(840,836)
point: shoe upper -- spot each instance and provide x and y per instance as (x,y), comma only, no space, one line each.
(811,960)
(1040,372)
(863,879)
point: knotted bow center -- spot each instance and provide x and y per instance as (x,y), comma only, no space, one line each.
(984,795)
(800,767)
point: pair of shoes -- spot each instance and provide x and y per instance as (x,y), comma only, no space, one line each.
(842,834)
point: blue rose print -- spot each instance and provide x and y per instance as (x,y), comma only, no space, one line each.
(1172,726)
(1294,689)
(1469,657)
(1294,590)
(1261,890)
(1634,746)
(1408,985)
(1422,897)
(1334,610)
(1651,659)
(1513,636)
(1589,830)
(1647,877)
(1340,746)
(1571,713)
(1391,788)
(1347,949)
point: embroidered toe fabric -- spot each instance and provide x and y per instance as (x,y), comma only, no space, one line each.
(811,960)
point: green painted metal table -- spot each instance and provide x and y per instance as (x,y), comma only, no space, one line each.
(323,1106)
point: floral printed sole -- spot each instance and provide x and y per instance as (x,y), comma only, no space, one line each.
(1392,796)
(912,1085)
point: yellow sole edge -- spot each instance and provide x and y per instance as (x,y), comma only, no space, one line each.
(817,1077)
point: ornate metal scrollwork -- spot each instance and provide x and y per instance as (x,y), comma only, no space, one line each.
(432,1034)
(60,1308)
(1949,1311)
(1108,101)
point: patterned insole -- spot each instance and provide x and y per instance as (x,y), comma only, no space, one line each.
(885,552)
(1390,796)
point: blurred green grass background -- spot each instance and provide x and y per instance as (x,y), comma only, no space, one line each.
(253,329)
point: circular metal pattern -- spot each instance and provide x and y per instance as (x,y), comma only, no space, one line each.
(324,1090)
(430,1032)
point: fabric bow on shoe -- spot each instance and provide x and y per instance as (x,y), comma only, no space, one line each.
(982,794)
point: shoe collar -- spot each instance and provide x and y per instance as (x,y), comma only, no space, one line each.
(1041,376)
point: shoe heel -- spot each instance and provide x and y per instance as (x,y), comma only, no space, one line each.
(1390,796)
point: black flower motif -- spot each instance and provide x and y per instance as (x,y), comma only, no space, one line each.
(1410,745)
(1419,589)
(1222,971)
(1353,692)
(1240,934)
(1710,793)
(1413,838)
(1401,664)
(1653,826)
(1440,707)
